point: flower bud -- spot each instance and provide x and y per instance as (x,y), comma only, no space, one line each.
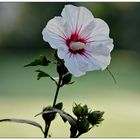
(66,79)
(95,117)
(61,69)
(48,116)
(83,126)
(59,105)
(80,111)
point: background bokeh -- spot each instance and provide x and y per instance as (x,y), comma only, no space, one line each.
(22,96)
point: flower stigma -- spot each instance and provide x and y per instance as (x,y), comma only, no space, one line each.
(77,45)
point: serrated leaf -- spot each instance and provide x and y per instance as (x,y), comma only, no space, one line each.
(41,74)
(23,121)
(41,60)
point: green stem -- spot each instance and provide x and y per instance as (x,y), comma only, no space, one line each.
(57,90)
(47,126)
(46,129)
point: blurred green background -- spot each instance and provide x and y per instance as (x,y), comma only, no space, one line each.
(22,96)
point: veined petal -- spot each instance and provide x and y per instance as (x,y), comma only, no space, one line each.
(100,61)
(82,64)
(100,47)
(79,64)
(55,32)
(97,29)
(87,30)
(104,61)
(101,27)
(86,63)
(72,65)
(76,17)
(61,52)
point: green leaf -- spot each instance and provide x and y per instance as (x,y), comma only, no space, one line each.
(41,74)
(23,121)
(41,60)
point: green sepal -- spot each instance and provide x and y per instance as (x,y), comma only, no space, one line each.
(95,117)
(66,79)
(41,60)
(84,111)
(59,105)
(83,126)
(61,69)
(56,56)
(49,116)
(80,111)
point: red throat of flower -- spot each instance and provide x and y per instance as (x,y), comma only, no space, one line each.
(76,44)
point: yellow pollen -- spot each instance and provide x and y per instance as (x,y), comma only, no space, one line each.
(77,45)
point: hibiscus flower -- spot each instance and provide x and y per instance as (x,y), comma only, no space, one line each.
(81,40)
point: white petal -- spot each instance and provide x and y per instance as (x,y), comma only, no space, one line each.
(101,27)
(76,17)
(61,52)
(55,32)
(78,64)
(100,61)
(100,47)
(87,30)
(81,63)
(72,65)
(90,63)
(87,63)
(97,29)
(103,61)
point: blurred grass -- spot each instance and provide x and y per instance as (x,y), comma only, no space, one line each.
(22,96)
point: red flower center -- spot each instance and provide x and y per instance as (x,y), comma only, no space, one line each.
(71,43)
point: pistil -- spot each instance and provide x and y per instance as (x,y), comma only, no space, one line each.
(77,46)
